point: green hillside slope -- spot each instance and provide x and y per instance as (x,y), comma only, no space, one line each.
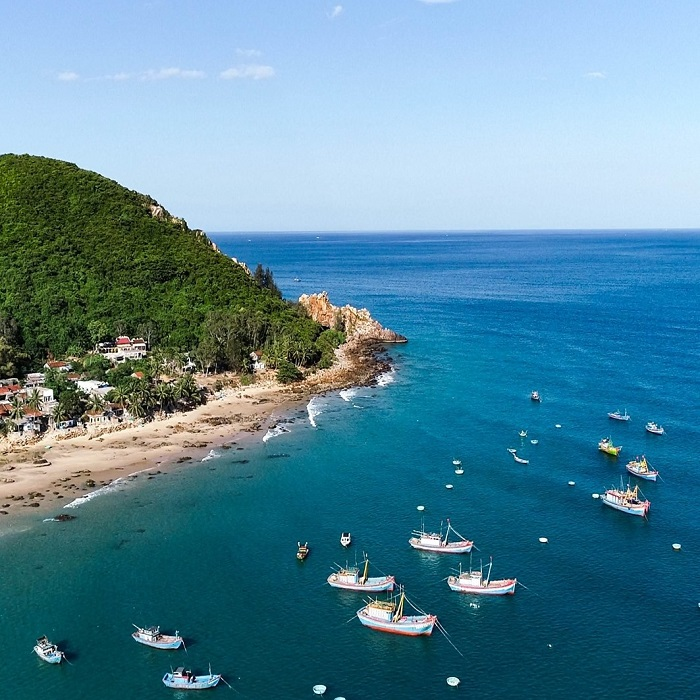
(83,258)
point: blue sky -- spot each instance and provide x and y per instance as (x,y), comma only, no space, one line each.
(257,115)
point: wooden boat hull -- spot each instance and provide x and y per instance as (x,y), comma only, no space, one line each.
(166,641)
(371,585)
(631,509)
(500,587)
(647,475)
(53,658)
(449,548)
(409,625)
(197,683)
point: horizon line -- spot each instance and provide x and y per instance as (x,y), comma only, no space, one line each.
(449,231)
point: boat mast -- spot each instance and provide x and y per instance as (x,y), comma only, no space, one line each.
(399,609)
(363,579)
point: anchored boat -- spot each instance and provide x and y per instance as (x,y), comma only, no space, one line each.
(182,679)
(152,637)
(606,445)
(388,616)
(474,582)
(302,550)
(628,501)
(616,415)
(345,539)
(350,579)
(640,467)
(47,651)
(434,542)
(535,396)
(654,428)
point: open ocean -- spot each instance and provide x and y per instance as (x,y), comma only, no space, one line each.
(595,321)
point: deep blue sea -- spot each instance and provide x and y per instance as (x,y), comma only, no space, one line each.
(595,321)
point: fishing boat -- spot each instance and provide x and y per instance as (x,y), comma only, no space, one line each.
(345,539)
(388,616)
(535,396)
(512,450)
(640,467)
(474,582)
(153,637)
(606,445)
(616,415)
(47,651)
(523,433)
(459,469)
(434,542)
(627,501)
(302,550)
(654,428)
(350,579)
(520,460)
(457,462)
(182,679)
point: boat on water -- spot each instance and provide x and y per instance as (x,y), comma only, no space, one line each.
(640,467)
(153,637)
(520,460)
(48,651)
(345,539)
(627,501)
(606,445)
(434,541)
(457,462)
(388,616)
(523,433)
(182,679)
(350,579)
(512,450)
(473,581)
(302,550)
(535,396)
(616,415)
(654,428)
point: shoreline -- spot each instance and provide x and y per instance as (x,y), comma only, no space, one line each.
(53,473)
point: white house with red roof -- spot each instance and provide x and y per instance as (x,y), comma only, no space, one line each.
(123,348)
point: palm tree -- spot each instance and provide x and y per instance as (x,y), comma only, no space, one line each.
(35,399)
(118,395)
(95,402)
(17,410)
(165,396)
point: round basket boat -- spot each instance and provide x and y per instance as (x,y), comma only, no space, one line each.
(453,681)
(319,689)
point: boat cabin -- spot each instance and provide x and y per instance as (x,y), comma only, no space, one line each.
(381,610)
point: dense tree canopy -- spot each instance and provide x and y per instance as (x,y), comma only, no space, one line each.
(84,259)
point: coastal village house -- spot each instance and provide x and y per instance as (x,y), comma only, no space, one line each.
(123,348)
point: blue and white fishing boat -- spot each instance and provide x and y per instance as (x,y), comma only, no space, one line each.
(48,652)
(434,542)
(153,637)
(388,616)
(654,428)
(350,579)
(181,679)
(616,415)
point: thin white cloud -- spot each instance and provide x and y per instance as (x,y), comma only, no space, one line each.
(595,75)
(249,53)
(169,73)
(436,2)
(68,76)
(252,71)
(336,11)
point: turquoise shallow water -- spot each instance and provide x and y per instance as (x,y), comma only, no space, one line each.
(594,321)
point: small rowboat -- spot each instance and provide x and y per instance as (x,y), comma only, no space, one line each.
(345,539)
(302,550)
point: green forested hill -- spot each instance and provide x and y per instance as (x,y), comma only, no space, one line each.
(83,258)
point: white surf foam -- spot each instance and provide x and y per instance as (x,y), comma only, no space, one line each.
(386,378)
(212,455)
(274,432)
(116,485)
(349,394)
(314,409)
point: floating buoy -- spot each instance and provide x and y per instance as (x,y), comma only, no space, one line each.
(572,483)
(544,540)
(557,425)
(595,495)
(453,681)
(449,486)
(676,546)
(339,698)
(534,442)
(420,507)
(319,689)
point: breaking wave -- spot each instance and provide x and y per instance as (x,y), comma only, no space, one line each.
(274,432)
(213,454)
(386,378)
(315,408)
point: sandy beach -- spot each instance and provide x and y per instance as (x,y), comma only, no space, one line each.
(55,471)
